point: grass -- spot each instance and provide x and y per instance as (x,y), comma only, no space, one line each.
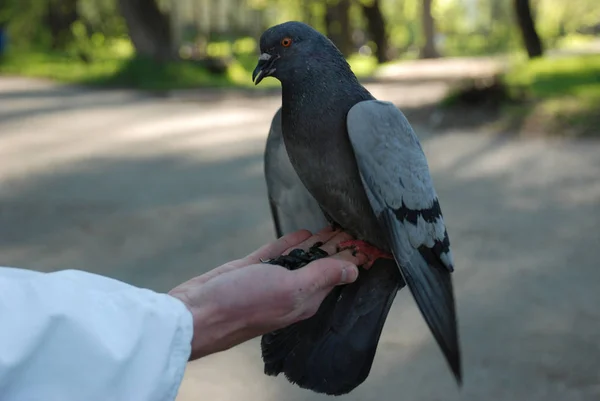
(558,76)
(114,65)
(112,71)
(557,95)
(564,93)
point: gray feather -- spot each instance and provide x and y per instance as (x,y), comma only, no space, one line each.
(395,174)
(292,206)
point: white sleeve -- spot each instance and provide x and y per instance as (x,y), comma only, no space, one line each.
(73,335)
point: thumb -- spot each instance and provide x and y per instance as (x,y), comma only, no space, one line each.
(328,272)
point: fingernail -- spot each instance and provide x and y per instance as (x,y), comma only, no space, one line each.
(349,274)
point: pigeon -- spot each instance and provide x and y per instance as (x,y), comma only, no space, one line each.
(363,164)
(333,351)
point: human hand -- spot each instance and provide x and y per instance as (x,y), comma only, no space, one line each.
(245,298)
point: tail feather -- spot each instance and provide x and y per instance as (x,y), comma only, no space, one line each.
(333,351)
(429,280)
(431,285)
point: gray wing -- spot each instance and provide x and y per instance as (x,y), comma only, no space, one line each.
(396,177)
(293,208)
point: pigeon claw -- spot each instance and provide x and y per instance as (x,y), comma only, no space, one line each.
(371,252)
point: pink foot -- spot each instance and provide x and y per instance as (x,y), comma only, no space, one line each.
(372,253)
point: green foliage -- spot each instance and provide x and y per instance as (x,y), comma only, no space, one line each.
(146,74)
(98,49)
(557,18)
(113,64)
(403,22)
(565,91)
(23,21)
(476,28)
(466,27)
(59,66)
(558,76)
(103,17)
(28,27)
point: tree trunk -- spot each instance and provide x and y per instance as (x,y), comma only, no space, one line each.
(531,39)
(376,28)
(337,23)
(149,29)
(428,50)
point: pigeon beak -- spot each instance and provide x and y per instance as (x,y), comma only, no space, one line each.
(264,68)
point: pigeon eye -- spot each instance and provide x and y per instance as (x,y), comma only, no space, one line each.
(286,42)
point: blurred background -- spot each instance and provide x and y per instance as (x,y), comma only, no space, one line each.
(132,139)
(168,44)
(512,46)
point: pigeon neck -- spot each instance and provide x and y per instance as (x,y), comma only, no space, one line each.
(315,109)
(328,87)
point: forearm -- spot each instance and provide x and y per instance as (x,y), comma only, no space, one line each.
(224,314)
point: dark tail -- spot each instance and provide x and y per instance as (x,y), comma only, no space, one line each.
(431,285)
(332,352)
(429,279)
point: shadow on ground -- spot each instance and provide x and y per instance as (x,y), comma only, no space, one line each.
(156,192)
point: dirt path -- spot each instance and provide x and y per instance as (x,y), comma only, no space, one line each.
(153,191)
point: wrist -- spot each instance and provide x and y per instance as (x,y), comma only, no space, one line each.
(215,329)
(204,334)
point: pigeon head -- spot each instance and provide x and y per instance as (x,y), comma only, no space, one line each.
(294,50)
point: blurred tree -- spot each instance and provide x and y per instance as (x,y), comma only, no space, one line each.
(149,29)
(102,17)
(531,39)
(307,14)
(60,15)
(428,24)
(557,19)
(376,26)
(337,24)
(88,28)
(199,23)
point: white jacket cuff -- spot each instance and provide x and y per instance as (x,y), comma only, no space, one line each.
(73,335)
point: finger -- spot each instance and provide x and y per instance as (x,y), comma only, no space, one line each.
(326,273)
(331,246)
(276,248)
(322,236)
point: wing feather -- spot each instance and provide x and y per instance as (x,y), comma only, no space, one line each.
(396,177)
